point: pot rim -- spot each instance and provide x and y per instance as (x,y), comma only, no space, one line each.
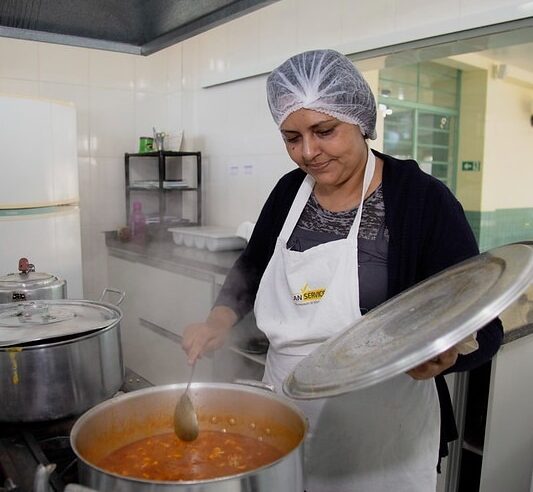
(171,387)
(68,339)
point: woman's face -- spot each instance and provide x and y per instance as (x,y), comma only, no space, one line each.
(330,150)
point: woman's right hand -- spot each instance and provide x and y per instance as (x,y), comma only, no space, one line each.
(201,338)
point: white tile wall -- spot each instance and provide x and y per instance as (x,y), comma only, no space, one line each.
(214,53)
(63,64)
(366,19)
(79,95)
(111,70)
(174,67)
(118,97)
(112,121)
(279,18)
(151,73)
(19,59)
(420,13)
(150,112)
(318,24)
(174,111)
(19,87)
(242,44)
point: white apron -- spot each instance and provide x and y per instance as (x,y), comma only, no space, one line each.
(373,440)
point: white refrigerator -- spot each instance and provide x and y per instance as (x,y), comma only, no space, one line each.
(39,190)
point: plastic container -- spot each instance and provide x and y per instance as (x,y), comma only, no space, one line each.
(212,238)
(199,241)
(221,243)
(188,240)
(178,238)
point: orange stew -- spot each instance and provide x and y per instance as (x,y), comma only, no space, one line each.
(212,454)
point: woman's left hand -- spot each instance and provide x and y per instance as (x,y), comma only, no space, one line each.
(435,366)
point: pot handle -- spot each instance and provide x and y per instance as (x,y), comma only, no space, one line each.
(255,384)
(120,293)
(42,477)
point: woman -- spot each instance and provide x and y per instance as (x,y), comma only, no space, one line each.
(349,228)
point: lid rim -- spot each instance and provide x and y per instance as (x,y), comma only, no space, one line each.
(67,340)
(86,316)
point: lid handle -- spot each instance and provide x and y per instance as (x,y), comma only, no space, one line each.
(25,266)
(31,309)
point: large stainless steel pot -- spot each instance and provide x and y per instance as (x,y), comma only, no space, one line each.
(29,285)
(62,376)
(249,411)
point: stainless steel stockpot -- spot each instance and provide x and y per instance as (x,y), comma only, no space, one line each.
(27,285)
(244,410)
(78,365)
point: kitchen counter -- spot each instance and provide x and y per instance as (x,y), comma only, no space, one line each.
(164,253)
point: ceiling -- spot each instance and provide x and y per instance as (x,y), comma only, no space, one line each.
(130,26)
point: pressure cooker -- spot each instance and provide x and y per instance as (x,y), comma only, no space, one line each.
(28,285)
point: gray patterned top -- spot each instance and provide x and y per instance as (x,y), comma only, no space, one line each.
(317,225)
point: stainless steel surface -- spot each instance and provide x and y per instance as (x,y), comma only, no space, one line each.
(416,325)
(30,285)
(249,411)
(47,381)
(185,419)
(33,321)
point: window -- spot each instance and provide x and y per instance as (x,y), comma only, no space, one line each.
(421,107)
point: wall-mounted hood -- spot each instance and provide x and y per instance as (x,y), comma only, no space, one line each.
(130,26)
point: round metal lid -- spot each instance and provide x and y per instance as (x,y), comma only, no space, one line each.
(415,325)
(30,280)
(30,321)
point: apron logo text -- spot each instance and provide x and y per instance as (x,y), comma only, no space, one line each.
(307,295)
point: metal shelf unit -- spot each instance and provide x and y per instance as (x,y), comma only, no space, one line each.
(163,184)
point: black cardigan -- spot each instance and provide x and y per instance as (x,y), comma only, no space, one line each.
(428,233)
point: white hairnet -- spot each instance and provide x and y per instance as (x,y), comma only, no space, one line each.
(324,81)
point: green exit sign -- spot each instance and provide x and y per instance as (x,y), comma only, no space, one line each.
(471,166)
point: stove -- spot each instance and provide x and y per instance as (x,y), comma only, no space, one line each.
(23,446)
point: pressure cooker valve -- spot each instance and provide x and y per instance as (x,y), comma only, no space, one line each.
(25,266)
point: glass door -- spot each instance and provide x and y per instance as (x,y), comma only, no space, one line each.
(421,107)
(435,148)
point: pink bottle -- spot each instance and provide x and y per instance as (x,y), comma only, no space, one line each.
(137,222)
